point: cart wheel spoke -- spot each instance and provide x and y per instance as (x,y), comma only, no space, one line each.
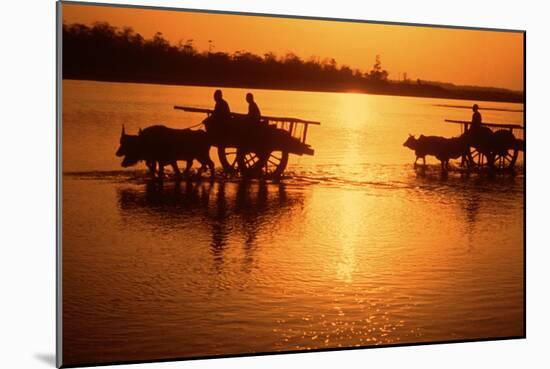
(267,165)
(228,159)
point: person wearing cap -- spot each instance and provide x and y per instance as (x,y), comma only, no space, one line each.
(476,117)
(254,114)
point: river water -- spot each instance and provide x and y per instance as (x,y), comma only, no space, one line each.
(354,247)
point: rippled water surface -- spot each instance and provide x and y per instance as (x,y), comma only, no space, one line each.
(353,247)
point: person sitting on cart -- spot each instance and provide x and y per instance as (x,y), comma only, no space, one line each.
(221,113)
(476,119)
(254,114)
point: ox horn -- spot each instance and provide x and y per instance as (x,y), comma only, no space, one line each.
(123,132)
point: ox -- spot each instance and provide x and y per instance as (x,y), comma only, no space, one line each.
(165,146)
(442,148)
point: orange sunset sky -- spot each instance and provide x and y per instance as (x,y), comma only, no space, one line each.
(463,57)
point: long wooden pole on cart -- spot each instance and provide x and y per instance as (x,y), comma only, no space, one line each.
(291,121)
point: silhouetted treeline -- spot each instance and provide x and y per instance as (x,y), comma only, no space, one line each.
(106,53)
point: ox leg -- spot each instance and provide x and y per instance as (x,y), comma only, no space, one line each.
(177,173)
(207,164)
(152,166)
(415,160)
(188,167)
(161,170)
(204,167)
(211,167)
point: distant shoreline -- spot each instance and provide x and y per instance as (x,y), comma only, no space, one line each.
(388,90)
(106,53)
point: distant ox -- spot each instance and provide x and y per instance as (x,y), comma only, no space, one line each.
(442,148)
(165,146)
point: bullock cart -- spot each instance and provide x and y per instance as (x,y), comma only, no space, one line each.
(256,149)
(494,145)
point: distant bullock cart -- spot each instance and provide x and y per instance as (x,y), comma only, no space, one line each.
(493,145)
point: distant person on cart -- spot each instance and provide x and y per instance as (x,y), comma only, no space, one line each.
(476,119)
(477,135)
(254,114)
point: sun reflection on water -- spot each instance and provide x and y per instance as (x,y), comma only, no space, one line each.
(350,220)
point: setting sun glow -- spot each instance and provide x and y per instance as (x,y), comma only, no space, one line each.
(459,56)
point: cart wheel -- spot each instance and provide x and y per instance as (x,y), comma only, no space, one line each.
(266,165)
(477,159)
(506,160)
(275,164)
(228,159)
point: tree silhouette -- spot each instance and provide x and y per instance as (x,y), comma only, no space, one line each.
(377,74)
(106,53)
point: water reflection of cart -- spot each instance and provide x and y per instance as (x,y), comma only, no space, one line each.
(256,149)
(496,146)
